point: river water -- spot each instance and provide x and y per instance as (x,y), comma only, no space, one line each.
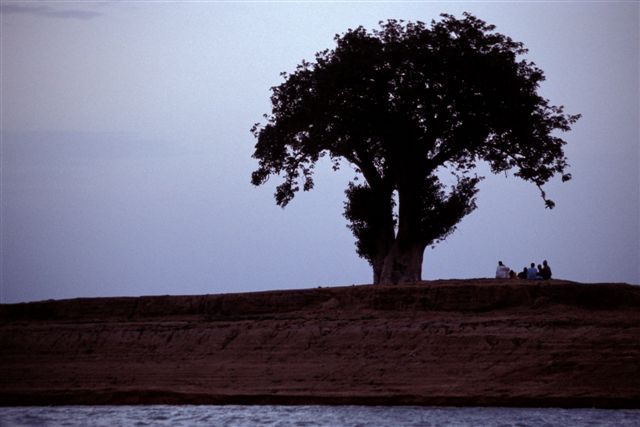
(334,416)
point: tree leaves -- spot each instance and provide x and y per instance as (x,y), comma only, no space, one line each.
(401,102)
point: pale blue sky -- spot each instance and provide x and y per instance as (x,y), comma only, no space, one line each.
(126,151)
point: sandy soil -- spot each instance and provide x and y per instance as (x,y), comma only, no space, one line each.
(472,342)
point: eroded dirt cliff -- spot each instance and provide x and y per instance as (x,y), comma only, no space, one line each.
(473,342)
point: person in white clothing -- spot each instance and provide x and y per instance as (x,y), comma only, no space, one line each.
(502,272)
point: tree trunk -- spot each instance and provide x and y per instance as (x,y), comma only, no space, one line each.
(377,266)
(403,264)
(403,260)
(378,263)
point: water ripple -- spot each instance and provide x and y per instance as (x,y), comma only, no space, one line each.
(311,416)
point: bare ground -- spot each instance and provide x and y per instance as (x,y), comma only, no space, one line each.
(466,342)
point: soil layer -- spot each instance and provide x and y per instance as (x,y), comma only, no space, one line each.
(462,343)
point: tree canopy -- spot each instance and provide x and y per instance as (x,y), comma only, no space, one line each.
(404,105)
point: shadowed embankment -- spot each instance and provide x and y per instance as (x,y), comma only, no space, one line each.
(465,342)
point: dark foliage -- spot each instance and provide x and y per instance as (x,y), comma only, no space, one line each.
(405,105)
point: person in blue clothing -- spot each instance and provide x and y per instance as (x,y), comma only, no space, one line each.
(532,272)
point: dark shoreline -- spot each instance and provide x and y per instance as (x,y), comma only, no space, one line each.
(443,343)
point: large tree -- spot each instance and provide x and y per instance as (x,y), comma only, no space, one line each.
(411,106)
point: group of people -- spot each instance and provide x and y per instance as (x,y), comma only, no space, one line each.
(542,272)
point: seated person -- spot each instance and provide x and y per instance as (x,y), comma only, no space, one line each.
(523,273)
(532,272)
(502,272)
(545,271)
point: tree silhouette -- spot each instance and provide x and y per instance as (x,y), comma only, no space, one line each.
(407,105)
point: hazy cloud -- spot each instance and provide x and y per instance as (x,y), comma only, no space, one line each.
(49,12)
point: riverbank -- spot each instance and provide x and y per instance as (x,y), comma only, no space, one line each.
(451,343)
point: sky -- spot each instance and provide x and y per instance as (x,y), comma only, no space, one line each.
(126,149)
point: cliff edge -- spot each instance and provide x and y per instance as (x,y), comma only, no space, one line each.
(464,342)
